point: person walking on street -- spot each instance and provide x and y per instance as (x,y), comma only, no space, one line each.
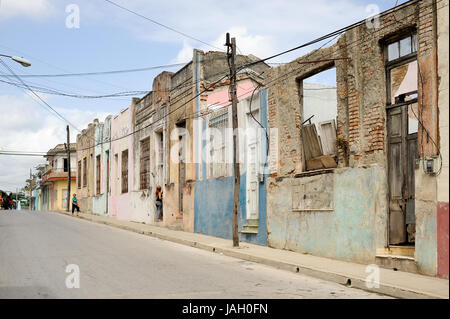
(158,203)
(75,204)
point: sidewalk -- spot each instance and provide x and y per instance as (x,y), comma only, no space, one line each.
(394,283)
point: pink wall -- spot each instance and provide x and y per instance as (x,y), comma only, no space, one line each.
(442,239)
(222,97)
(121,125)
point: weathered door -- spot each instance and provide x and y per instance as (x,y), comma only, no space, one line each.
(253,159)
(402,152)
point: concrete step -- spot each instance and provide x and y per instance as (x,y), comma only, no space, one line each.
(397,262)
(397,250)
(250,228)
(178,225)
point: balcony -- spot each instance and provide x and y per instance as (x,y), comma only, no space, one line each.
(56,174)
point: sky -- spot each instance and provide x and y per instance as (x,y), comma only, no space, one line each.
(110,38)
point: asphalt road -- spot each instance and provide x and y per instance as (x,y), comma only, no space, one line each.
(37,247)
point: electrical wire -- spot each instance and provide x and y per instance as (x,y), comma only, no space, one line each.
(103,72)
(162,25)
(34,93)
(334,33)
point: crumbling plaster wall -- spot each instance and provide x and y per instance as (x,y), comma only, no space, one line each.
(353,232)
(85,149)
(181,108)
(148,119)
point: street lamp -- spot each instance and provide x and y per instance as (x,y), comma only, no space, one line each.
(24,62)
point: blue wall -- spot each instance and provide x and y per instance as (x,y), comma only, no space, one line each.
(213,201)
(213,206)
(352,231)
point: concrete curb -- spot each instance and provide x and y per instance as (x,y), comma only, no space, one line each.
(343,279)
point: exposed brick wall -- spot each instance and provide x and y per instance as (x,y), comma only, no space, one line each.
(361,89)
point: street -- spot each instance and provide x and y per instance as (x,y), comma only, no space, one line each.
(36,247)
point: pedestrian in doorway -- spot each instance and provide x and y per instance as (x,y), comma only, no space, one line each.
(75,204)
(158,202)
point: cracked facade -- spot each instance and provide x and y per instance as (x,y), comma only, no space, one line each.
(350,167)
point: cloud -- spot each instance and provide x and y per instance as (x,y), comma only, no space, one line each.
(26,126)
(261,28)
(35,9)
(258,45)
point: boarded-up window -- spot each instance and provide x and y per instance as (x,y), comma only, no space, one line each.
(125,171)
(145,164)
(319,104)
(97,179)
(84,172)
(79,174)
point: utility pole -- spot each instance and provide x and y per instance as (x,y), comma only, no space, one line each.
(68,168)
(237,173)
(29,197)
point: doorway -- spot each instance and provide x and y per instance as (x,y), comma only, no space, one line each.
(181,126)
(402,156)
(253,164)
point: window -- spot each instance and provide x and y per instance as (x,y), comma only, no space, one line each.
(159,141)
(125,171)
(319,105)
(79,174)
(218,150)
(145,164)
(65,165)
(107,172)
(160,149)
(402,70)
(402,47)
(97,181)
(84,172)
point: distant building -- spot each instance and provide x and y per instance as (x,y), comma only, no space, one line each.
(54,179)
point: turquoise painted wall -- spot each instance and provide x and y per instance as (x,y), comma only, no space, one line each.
(353,231)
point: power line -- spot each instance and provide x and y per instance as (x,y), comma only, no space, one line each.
(21,154)
(102,72)
(34,93)
(162,25)
(335,35)
(332,35)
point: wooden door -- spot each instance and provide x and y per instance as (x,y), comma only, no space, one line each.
(402,153)
(253,159)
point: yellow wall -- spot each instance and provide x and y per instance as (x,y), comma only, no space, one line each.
(58,186)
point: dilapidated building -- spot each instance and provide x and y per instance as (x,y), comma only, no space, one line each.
(359,183)
(85,167)
(151,150)
(121,173)
(102,139)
